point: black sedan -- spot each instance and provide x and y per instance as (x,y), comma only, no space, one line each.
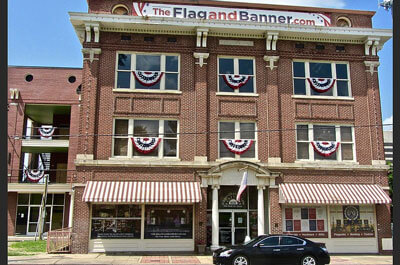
(273,249)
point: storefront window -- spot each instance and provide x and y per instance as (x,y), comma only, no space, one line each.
(116,221)
(168,222)
(352,221)
(305,221)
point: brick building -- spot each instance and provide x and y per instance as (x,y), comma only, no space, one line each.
(43,110)
(182,99)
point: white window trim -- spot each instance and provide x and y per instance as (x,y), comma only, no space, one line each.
(160,146)
(311,157)
(237,136)
(133,67)
(308,94)
(236,72)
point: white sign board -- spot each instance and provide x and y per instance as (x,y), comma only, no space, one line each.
(229,14)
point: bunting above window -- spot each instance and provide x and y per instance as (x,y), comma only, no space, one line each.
(236,81)
(321,85)
(46,131)
(238,146)
(145,145)
(148,78)
(325,148)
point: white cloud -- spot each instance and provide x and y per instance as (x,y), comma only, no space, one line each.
(313,3)
(388,121)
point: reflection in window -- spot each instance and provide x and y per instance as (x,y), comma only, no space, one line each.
(236,67)
(237,131)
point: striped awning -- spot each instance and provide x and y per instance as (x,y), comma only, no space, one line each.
(332,194)
(142,192)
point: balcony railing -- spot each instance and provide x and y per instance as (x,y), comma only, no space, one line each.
(46,133)
(56,176)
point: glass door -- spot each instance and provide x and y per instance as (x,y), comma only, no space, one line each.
(240,227)
(225,228)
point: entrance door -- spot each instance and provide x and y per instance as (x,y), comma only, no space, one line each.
(233,227)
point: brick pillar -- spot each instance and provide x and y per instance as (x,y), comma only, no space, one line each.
(201,103)
(383,225)
(200,236)
(275,211)
(11,212)
(81,224)
(89,104)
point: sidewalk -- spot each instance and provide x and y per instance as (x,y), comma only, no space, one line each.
(136,259)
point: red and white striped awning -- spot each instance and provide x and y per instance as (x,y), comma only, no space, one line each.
(142,192)
(332,194)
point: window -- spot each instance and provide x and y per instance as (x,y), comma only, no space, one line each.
(116,221)
(304,221)
(147,71)
(168,222)
(236,75)
(309,134)
(288,240)
(321,79)
(163,133)
(242,136)
(270,241)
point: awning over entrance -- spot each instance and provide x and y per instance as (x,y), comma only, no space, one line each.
(142,192)
(332,194)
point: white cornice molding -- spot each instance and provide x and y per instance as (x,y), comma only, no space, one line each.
(371,66)
(38,188)
(272,60)
(237,29)
(91,52)
(201,56)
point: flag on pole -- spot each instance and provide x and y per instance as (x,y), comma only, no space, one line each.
(243,186)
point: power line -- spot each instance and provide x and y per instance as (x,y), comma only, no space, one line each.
(22,137)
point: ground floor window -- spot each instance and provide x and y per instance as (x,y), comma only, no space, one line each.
(352,221)
(305,221)
(168,222)
(116,221)
(28,209)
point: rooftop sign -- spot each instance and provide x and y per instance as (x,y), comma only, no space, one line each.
(229,14)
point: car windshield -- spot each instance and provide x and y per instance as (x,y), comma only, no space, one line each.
(251,241)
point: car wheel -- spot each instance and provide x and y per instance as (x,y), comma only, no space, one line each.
(308,260)
(241,260)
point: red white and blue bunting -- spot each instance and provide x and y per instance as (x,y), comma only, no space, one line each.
(148,78)
(321,85)
(46,131)
(34,175)
(145,145)
(325,148)
(237,146)
(236,81)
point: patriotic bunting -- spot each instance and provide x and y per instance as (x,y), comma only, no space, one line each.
(145,145)
(325,148)
(148,78)
(34,175)
(237,146)
(236,81)
(321,85)
(46,131)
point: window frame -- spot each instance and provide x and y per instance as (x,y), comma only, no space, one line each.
(236,72)
(132,86)
(130,151)
(237,136)
(311,157)
(334,75)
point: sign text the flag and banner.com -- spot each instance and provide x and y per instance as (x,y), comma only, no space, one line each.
(229,14)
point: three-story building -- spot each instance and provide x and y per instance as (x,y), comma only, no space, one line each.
(181,100)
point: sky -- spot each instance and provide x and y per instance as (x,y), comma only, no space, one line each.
(40,34)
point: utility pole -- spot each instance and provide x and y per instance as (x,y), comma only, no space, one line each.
(42,214)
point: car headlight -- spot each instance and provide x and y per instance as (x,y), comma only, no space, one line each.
(325,249)
(226,253)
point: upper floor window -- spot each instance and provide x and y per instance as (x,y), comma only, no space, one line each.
(151,138)
(236,75)
(325,142)
(147,71)
(237,140)
(321,79)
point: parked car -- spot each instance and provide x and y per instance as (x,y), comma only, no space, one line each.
(273,250)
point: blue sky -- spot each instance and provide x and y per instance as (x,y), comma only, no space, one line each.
(40,34)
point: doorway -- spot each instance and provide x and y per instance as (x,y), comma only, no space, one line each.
(233,227)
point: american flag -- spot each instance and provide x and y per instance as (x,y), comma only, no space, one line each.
(243,186)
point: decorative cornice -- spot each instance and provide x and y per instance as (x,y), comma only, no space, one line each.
(271,39)
(371,66)
(271,60)
(202,37)
(38,188)
(91,52)
(201,56)
(372,42)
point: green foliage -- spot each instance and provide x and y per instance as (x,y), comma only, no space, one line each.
(27,248)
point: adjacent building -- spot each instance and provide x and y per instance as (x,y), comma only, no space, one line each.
(43,111)
(388,145)
(182,100)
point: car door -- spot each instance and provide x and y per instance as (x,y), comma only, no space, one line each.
(292,249)
(266,251)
